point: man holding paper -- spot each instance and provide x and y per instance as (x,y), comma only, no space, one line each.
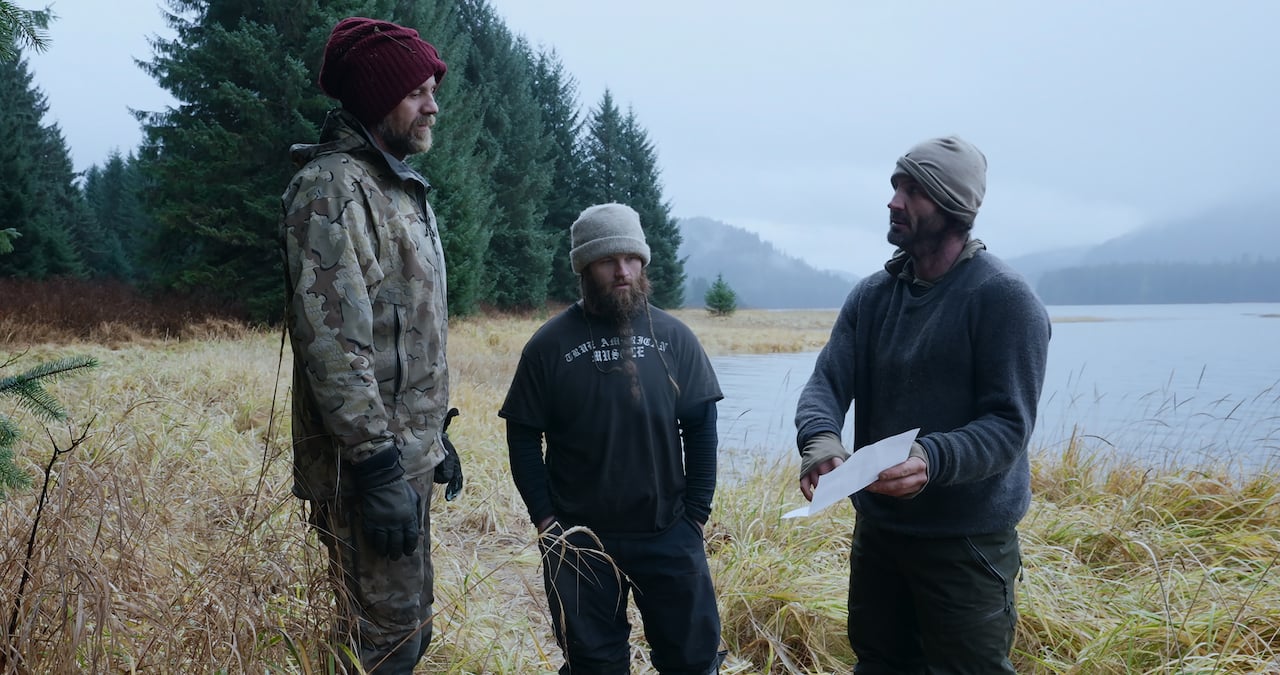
(951,340)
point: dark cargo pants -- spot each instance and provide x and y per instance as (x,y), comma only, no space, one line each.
(935,606)
(384,606)
(672,588)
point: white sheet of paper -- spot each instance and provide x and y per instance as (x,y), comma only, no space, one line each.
(857,472)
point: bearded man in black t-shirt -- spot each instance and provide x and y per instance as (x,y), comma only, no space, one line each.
(625,398)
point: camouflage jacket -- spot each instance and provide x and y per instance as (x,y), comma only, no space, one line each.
(367,316)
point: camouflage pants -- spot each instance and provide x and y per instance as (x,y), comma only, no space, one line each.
(384,606)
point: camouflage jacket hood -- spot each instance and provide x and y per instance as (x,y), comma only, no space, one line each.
(367,315)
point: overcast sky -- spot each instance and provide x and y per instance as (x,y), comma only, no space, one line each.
(1096,116)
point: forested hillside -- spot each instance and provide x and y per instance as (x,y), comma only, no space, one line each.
(196,206)
(762,276)
(1228,254)
(1162,283)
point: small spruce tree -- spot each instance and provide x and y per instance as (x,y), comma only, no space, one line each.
(19,27)
(27,391)
(720,298)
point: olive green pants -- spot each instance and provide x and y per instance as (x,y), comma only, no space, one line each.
(937,606)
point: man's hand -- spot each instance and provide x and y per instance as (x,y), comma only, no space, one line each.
(902,480)
(821,453)
(388,504)
(809,481)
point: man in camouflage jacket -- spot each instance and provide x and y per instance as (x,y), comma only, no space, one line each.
(367,319)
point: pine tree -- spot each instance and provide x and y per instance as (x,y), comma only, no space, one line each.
(499,68)
(556,93)
(720,299)
(622,166)
(245,75)
(65,212)
(605,172)
(113,193)
(21,28)
(666,270)
(458,167)
(27,390)
(92,247)
(103,254)
(38,196)
(32,162)
(462,197)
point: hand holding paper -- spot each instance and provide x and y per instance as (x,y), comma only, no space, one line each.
(857,472)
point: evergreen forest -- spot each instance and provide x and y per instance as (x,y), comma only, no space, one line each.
(194,210)
(1151,283)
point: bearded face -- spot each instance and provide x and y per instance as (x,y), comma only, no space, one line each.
(916,224)
(612,299)
(919,234)
(616,289)
(404,137)
(406,129)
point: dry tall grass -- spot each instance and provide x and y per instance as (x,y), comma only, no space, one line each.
(108,312)
(169,541)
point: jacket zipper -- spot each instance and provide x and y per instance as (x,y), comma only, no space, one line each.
(401,357)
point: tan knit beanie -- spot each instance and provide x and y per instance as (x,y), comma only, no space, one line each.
(604,230)
(952,171)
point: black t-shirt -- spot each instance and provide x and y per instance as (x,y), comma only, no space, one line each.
(614,460)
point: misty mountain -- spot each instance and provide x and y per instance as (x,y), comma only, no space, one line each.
(1224,255)
(762,276)
(1224,235)
(1034,266)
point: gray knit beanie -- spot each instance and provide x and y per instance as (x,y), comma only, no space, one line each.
(952,171)
(604,230)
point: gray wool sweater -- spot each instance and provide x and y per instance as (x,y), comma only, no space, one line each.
(964,360)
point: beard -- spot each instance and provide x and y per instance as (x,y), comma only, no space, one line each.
(924,236)
(616,306)
(411,139)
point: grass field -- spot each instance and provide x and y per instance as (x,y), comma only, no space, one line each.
(168,541)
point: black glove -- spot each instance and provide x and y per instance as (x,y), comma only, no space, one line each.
(388,503)
(450,470)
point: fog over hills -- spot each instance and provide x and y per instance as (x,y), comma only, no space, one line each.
(762,276)
(1230,234)
(1230,254)
(1225,235)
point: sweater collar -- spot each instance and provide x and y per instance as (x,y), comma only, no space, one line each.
(901,266)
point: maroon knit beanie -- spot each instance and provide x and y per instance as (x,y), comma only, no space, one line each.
(370,66)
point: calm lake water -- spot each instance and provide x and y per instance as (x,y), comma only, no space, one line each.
(1165,384)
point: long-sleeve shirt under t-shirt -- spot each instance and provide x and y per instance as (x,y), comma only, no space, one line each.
(630,439)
